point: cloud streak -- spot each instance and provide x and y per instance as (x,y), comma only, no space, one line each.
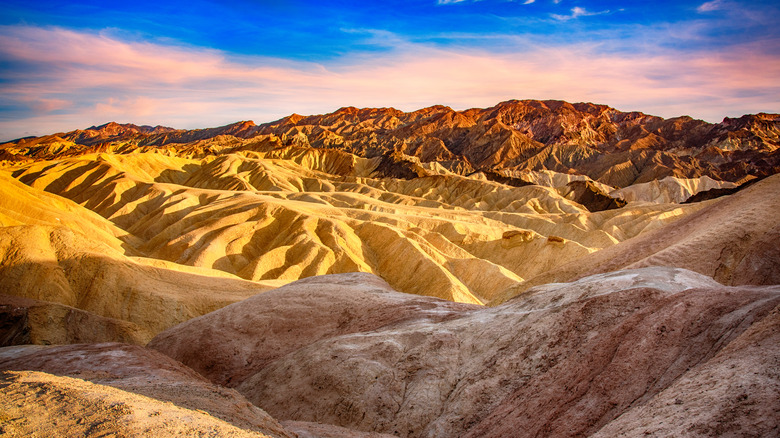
(710,6)
(77,79)
(577,12)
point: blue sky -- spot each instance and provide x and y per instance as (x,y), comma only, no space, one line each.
(200,63)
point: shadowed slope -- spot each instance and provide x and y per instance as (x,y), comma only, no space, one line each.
(59,252)
(27,321)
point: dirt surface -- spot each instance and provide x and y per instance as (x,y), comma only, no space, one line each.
(316,430)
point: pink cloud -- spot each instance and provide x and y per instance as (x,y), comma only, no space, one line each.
(108,79)
(44,106)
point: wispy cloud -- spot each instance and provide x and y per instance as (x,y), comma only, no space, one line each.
(710,6)
(577,12)
(77,79)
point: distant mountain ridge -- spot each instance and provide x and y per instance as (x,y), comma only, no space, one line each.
(609,146)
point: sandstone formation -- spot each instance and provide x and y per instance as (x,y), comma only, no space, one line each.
(612,147)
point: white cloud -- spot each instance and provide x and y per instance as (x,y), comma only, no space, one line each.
(577,12)
(528,2)
(84,79)
(710,6)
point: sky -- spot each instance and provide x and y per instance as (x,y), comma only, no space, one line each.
(200,63)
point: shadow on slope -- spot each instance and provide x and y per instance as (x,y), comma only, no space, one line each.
(57,265)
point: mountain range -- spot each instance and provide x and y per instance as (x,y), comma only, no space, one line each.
(612,147)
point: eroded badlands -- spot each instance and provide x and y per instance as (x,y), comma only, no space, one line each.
(531,269)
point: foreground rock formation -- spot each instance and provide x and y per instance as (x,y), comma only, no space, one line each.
(530,269)
(636,352)
(563,360)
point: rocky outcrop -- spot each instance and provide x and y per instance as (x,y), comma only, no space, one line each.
(590,196)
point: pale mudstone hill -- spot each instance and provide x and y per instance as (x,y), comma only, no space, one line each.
(86,285)
(670,189)
(562,360)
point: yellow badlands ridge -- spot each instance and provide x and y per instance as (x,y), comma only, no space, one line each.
(263,220)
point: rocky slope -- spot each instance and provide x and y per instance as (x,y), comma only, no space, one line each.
(148,393)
